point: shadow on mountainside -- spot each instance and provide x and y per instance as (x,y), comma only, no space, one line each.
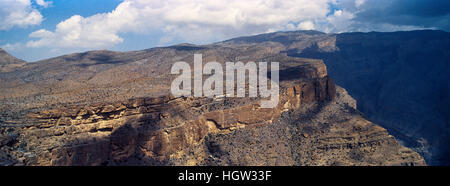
(400,80)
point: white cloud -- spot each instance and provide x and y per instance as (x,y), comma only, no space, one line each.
(77,32)
(200,21)
(306,25)
(190,21)
(18,13)
(339,21)
(358,3)
(12,47)
(44,3)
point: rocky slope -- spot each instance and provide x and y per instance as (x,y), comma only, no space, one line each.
(112,108)
(400,79)
(8,62)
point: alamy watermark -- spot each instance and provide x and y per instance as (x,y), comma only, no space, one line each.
(257,75)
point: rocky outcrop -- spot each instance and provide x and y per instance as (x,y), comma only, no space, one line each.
(150,130)
(315,135)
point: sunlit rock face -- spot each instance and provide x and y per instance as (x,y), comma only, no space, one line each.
(114,108)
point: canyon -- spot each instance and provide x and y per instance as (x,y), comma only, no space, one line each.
(399,79)
(115,108)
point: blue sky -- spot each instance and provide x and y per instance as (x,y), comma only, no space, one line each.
(58,11)
(38,29)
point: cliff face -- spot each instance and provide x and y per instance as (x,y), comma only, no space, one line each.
(108,108)
(400,79)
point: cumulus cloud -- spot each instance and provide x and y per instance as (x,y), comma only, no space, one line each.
(339,21)
(18,13)
(306,25)
(190,21)
(202,21)
(44,3)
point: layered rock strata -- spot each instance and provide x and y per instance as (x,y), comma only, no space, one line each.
(212,131)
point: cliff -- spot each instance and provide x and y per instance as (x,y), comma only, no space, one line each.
(400,79)
(111,108)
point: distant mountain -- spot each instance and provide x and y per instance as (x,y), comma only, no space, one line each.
(400,80)
(8,62)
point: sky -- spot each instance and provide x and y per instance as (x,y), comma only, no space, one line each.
(33,30)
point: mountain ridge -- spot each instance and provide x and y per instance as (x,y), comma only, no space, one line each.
(8,62)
